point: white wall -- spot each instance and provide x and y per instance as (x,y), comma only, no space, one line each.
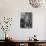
(13,8)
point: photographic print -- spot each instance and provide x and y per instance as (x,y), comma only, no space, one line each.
(26,20)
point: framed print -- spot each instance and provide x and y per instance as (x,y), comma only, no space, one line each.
(26,20)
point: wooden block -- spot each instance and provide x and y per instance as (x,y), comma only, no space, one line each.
(17,44)
(25,44)
(41,44)
(44,44)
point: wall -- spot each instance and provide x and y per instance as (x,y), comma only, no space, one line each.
(13,8)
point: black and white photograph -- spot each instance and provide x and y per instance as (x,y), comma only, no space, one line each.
(26,20)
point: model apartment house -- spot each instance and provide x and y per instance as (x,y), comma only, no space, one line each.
(22,22)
